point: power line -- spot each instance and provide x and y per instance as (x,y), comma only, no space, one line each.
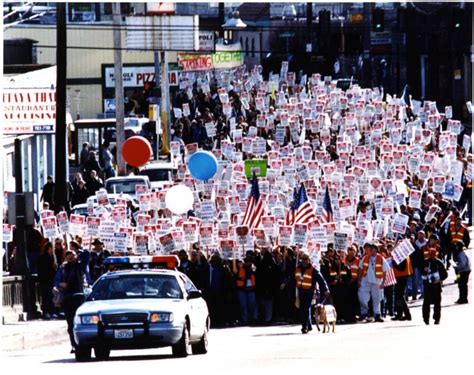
(280,52)
(177,28)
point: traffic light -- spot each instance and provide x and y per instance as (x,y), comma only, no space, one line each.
(378,19)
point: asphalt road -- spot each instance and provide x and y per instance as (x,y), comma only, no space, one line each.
(371,347)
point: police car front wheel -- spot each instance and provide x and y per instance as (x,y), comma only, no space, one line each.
(83,353)
(102,353)
(183,347)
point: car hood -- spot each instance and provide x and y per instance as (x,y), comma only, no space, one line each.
(131,305)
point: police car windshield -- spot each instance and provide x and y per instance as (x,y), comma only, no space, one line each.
(136,286)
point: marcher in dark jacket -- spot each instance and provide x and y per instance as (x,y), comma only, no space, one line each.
(70,279)
(267,283)
(434,273)
(46,272)
(48,192)
(463,269)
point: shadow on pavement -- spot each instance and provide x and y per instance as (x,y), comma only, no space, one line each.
(277,334)
(116,359)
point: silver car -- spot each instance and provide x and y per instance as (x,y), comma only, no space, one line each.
(142,308)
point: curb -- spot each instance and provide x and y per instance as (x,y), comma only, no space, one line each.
(33,340)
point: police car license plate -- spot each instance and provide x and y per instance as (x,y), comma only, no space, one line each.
(123,333)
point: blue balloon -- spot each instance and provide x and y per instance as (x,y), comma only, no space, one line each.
(202,165)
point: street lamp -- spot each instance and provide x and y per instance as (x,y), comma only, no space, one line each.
(233,23)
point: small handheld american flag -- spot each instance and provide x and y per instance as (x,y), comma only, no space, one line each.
(254,211)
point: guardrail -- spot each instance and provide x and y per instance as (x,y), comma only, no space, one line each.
(13,298)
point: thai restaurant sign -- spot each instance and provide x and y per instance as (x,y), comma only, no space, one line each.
(27,111)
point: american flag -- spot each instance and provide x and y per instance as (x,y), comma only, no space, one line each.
(290,215)
(327,213)
(254,211)
(301,211)
(390,275)
(390,278)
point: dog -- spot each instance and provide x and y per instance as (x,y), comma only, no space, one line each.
(327,315)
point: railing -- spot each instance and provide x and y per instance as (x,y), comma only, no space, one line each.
(13,298)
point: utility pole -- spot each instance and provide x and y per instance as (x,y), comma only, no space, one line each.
(309,34)
(61,156)
(119,103)
(165,105)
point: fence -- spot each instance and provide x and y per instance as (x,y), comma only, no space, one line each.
(13,298)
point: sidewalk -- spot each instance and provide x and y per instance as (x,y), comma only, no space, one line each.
(33,334)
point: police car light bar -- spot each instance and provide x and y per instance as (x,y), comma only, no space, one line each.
(150,261)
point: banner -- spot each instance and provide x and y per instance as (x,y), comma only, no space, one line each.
(218,60)
(29,111)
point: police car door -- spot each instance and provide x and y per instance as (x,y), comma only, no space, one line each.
(197,309)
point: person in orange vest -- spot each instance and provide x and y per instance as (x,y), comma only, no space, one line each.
(306,276)
(372,272)
(352,262)
(433,242)
(456,232)
(402,272)
(433,275)
(245,280)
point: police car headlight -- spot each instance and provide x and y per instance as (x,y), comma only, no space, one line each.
(161,317)
(89,319)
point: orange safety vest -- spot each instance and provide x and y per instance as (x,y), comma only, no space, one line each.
(378,266)
(408,271)
(354,266)
(456,236)
(241,278)
(426,252)
(304,280)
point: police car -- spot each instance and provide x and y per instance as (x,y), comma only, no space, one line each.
(136,306)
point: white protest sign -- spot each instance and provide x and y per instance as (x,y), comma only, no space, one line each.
(399,223)
(77,225)
(140,243)
(50,229)
(144,201)
(402,251)
(63,221)
(120,242)
(106,233)
(285,234)
(340,241)
(299,234)
(346,208)
(206,234)
(92,228)
(438,184)
(268,223)
(415,198)
(190,232)
(142,220)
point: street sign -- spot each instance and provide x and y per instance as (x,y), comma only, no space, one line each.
(29,214)
(286,35)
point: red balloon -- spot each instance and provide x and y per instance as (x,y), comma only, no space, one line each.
(136,151)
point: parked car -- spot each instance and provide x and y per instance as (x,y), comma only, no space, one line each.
(159,174)
(126,185)
(141,308)
(81,209)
